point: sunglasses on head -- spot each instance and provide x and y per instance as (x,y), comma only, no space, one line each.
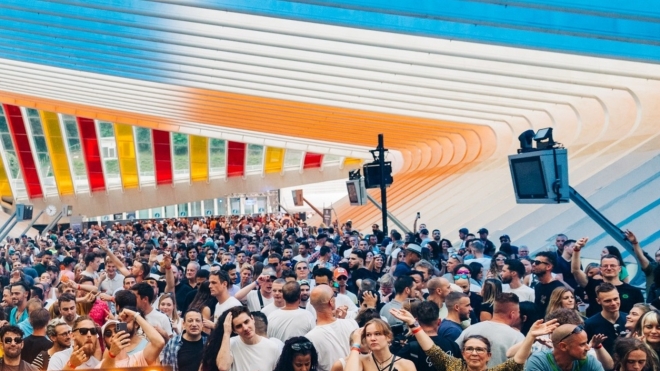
(300,346)
(84,331)
(16,340)
(576,330)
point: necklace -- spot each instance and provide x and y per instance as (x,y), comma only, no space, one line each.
(380,363)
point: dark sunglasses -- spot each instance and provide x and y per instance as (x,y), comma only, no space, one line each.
(16,340)
(342,278)
(300,346)
(576,330)
(108,334)
(538,262)
(83,331)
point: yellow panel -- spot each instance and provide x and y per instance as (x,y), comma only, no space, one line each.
(126,155)
(5,188)
(58,157)
(352,161)
(199,158)
(274,160)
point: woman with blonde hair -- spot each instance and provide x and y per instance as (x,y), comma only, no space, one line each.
(167,306)
(637,311)
(561,297)
(648,330)
(489,292)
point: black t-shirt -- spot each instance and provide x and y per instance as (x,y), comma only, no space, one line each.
(486,307)
(542,293)
(190,355)
(629,296)
(412,351)
(32,345)
(181,291)
(358,274)
(563,267)
(596,324)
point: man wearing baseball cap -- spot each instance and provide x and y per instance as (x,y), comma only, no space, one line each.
(340,276)
(413,254)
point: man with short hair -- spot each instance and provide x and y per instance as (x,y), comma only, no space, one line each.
(562,269)
(439,288)
(12,345)
(258,299)
(559,243)
(82,355)
(570,351)
(38,341)
(278,297)
(19,297)
(426,313)
(523,251)
(478,251)
(413,254)
(113,280)
(145,296)
(59,334)
(512,274)
(184,351)
(610,321)
(404,288)
(275,260)
(92,263)
(330,334)
(248,351)
(128,282)
(500,330)
(33,305)
(305,289)
(303,251)
(458,311)
(610,268)
(289,321)
(357,269)
(218,285)
(489,246)
(542,268)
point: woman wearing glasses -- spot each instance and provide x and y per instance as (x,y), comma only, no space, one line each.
(476,348)
(496,265)
(298,354)
(302,270)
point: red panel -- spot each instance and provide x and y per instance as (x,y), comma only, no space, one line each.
(90,144)
(312,160)
(162,156)
(236,159)
(23,151)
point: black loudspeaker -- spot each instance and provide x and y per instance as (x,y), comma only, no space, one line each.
(302,216)
(372,174)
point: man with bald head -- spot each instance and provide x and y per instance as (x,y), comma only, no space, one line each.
(570,347)
(330,336)
(439,288)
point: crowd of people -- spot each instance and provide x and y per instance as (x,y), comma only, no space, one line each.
(271,293)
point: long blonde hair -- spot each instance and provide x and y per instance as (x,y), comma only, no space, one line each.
(556,297)
(169,295)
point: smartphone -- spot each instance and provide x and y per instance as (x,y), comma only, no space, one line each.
(121,326)
(418,215)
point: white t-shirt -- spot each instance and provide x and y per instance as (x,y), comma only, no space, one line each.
(221,308)
(268,309)
(59,360)
(285,324)
(253,301)
(332,341)
(156,318)
(524,292)
(340,300)
(261,356)
(300,258)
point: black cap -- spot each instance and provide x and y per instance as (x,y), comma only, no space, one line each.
(464,230)
(483,230)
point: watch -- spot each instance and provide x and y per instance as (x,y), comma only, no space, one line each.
(415,324)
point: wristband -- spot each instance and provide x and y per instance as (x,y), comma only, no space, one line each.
(416,330)
(354,348)
(136,315)
(415,324)
(110,354)
(71,365)
(598,346)
(168,268)
(78,287)
(355,345)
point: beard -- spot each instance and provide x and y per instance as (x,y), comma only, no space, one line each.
(304,297)
(13,352)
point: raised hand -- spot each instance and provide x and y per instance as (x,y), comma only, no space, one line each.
(341,312)
(228,324)
(119,341)
(542,328)
(369,300)
(597,339)
(579,244)
(78,357)
(631,237)
(403,316)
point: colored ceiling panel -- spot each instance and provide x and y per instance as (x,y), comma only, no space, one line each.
(199,158)
(352,161)
(57,150)
(23,150)
(127,156)
(5,187)
(235,159)
(312,160)
(274,162)
(90,144)
(162,156)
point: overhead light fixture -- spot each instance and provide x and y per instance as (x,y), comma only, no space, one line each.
(543,138)
(526,141)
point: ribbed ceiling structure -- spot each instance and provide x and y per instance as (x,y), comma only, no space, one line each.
(450,84)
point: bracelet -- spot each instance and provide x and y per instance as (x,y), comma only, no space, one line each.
(416,330)
(71,365)
(110,354)
(598,346)
(136,315)
(354,348)
(168,268)
(355,345)
(78,287)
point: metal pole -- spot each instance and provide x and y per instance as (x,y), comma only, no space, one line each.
(389,215)
(312,206)
(383,192)
(32,223)
(52,223)
(610,228)
(11,217)
(9,228)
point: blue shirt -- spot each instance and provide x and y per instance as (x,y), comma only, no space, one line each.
(12,316)
(171,351)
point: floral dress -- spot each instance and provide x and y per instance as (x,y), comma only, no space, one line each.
(444,362)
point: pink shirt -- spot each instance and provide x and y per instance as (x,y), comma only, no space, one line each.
(134,360)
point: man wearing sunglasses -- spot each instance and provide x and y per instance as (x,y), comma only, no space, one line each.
(86,351)
(12,344)
(570,352)
(542,267)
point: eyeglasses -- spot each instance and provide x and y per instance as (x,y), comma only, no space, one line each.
(461,276)
(16,340)
(576,330)
(300,346)
(83,331)
(478,350)
(301,268)
(538,262)
(500,259)
(65,333)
